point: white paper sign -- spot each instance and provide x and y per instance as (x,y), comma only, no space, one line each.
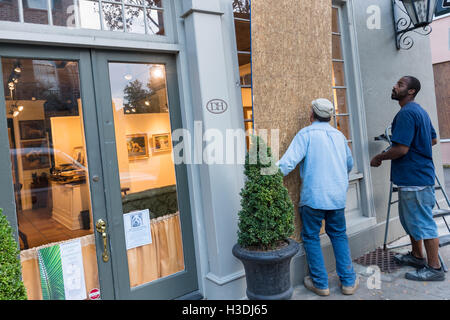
(73,270)
(137,228)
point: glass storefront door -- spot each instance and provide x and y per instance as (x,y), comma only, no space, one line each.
(100,207)
(139,107)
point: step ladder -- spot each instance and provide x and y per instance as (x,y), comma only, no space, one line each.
(439,212)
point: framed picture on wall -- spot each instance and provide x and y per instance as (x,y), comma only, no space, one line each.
(137,146)
(35,155)
(161,142)
(32,129)
(78,154)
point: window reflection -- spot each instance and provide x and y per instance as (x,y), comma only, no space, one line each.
(49,164)
(35,11)
(241,9)
(89,14)
(112,17)
(63,13)
(132,16)
(146,167)
(9,10)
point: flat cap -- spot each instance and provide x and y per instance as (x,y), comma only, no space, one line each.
(323,108)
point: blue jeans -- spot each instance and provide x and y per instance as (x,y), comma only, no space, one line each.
(336,229)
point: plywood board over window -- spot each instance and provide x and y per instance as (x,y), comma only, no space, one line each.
(442,86)
(291,66)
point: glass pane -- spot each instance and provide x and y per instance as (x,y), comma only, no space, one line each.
(242,35)
(248,126)
(246,98)
(9,10)
(421,10)
(338,74)
(135,2)
(335,20)
(248,113)
(155,22)
(343,124)
(154,3)
(244,59)
(89,14)
(63,13)
(340,100)
(49,170)
(146,170)
(35,11)
(135,19)
(241,9)
(336,47)
(112,17)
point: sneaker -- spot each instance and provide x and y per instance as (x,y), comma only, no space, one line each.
(310,285)
(426,274)
(410,260)
(350,290)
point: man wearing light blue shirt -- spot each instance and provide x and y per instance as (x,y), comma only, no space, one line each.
(325,162)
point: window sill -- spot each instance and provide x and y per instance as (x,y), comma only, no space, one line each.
(353,176)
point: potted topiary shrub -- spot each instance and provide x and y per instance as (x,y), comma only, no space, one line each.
(266,222)
(11,285)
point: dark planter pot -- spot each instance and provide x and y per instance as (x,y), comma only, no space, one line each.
(268,272)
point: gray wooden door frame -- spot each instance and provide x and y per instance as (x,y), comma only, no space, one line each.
(102,163)
(183,282)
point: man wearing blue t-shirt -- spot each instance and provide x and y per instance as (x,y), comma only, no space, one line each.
(412,170)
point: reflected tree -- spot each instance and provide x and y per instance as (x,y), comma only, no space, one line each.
(241,6)
(139,99)
(114,16)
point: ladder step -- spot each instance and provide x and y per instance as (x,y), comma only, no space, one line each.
(444,240)
(440,213)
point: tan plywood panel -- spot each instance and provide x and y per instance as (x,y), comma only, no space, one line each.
(291,62)
(442,85)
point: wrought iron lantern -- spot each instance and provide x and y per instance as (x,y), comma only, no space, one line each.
(418,16)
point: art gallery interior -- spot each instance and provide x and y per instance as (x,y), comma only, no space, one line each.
(50,165)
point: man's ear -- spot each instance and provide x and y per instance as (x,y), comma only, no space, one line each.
(412,91)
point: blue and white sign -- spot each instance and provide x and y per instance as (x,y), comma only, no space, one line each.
(137,228)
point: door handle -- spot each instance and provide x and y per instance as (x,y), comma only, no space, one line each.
(101,228)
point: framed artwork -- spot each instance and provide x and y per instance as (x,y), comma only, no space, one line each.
(137,146)
(32,129)
(78,155)
(161,142)
(35,155)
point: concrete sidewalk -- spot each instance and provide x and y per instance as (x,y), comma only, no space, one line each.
(392,286)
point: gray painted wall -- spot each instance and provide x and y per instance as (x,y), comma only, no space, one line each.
(382,65)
